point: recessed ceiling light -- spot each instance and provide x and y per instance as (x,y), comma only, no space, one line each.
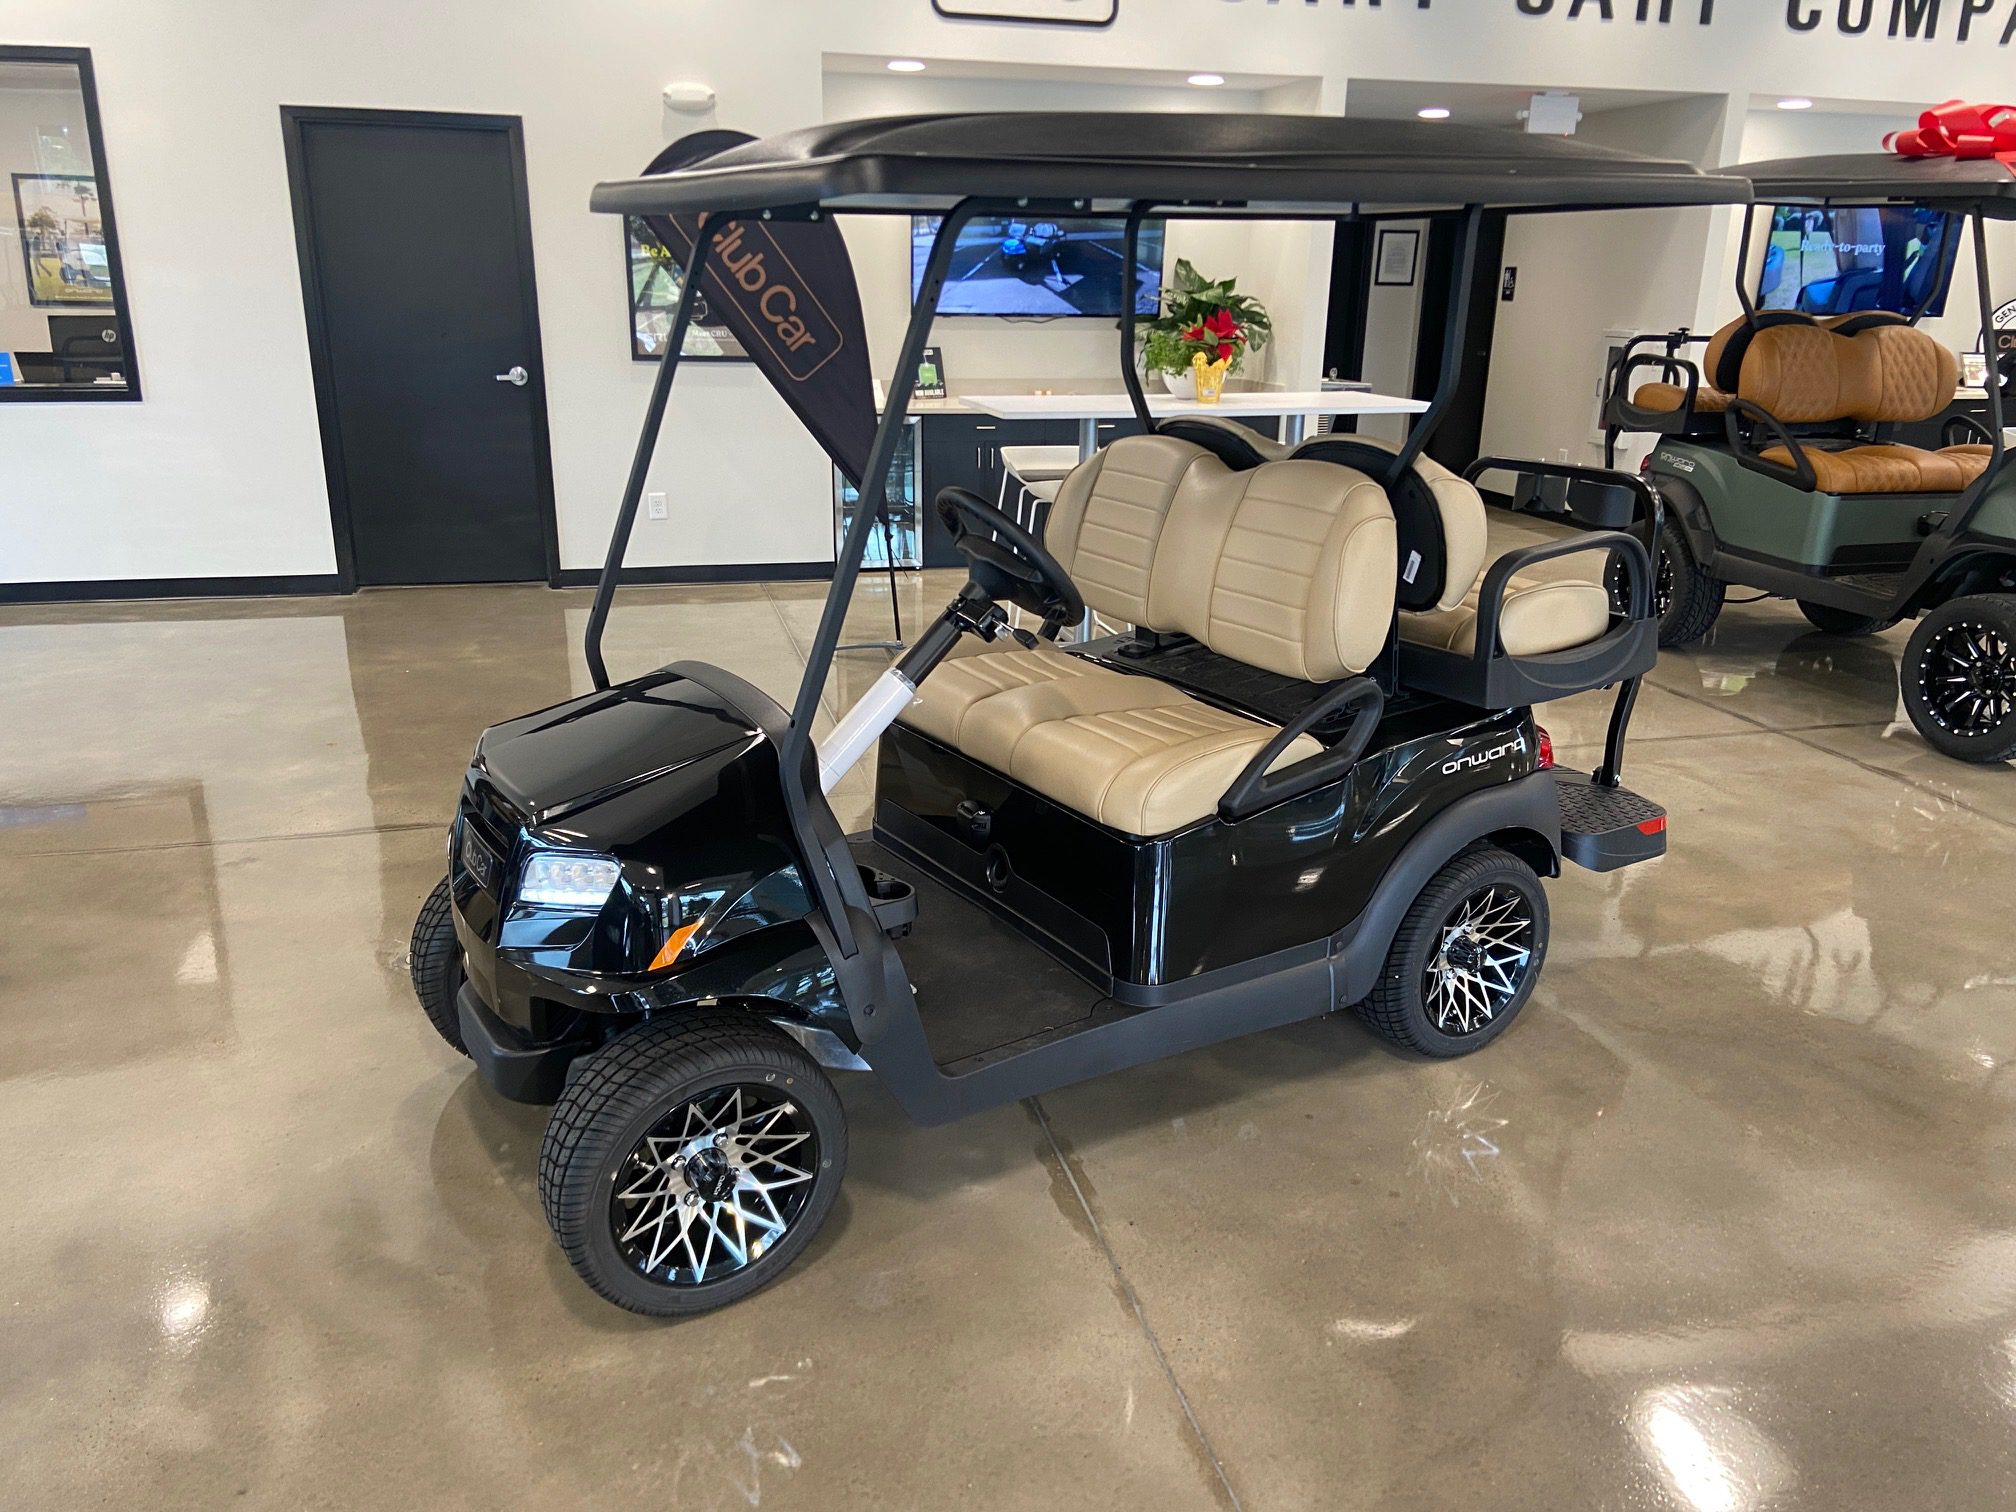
(1795,102)
(1207,80)
(1433,112)
(905,65)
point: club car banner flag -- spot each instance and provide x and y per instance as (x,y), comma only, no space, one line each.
(786,290)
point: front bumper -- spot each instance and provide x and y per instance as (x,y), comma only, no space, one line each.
(517,1067)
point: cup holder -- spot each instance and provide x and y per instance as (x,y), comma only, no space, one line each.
(893,899)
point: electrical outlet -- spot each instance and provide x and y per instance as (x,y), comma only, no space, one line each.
(654,505)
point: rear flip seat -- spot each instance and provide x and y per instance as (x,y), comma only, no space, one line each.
(1287,565)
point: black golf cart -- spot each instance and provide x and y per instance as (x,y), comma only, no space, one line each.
(1783,465)
(1306,778)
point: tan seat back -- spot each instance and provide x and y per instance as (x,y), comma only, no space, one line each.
(1289,566)
(1810,374)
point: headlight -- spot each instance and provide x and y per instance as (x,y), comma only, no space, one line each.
(560,880)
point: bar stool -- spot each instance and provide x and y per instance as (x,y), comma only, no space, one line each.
(1036,472)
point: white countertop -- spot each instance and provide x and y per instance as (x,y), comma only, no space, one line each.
(1245,402)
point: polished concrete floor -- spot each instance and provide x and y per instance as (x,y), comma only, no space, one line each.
(1725,1223)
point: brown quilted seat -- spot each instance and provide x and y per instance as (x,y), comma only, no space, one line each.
(1885,372)
(1727,349)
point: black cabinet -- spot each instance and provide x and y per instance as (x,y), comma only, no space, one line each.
(964,451)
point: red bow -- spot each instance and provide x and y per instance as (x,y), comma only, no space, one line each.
(1959,130)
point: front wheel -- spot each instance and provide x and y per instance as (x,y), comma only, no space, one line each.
(690,1161)
(1841,621)
(434,961)
(1465,958)
(1959,677)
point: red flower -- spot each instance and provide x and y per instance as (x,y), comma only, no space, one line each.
(1225,351)
(1195,333)
(1221,324)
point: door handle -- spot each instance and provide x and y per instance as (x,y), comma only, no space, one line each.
(517,377)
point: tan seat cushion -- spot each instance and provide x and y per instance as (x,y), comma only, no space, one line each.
(1881,469)
(1669,398)
(1540,615)
(1551,606)
(1129,751)
(975,671)
(1972,457)
(1808,374)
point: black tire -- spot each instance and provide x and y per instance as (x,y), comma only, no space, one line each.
(434,960)
(606,1126)
(1971,638)
(1841,622)
(1399,1008)
(1693,597)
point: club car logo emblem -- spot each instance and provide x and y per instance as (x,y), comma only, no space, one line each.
(1678,464)
(1471,760)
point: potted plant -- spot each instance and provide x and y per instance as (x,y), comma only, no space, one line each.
(1201,315)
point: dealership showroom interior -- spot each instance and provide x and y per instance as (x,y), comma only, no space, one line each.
(803,754)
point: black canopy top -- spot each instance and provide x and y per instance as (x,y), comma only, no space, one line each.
(1252,165)
(1879,178)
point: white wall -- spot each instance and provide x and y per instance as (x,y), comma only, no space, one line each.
(1583,275)
(218,472)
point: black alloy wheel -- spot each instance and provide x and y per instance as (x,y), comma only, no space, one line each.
(689,1161)
(1685,600)
(1959,677)
(1465,958)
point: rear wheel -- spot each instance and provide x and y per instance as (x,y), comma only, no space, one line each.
(690,1161)
(1465,958)
(1959,677)
(1688,597)
(434,961)
(1841,621)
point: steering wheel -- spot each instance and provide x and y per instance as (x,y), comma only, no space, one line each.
(1007,563)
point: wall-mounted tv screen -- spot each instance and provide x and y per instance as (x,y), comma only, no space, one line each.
(1834,262)
(1041,268)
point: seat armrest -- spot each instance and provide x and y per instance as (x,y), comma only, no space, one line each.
(1800,474)
(1255,788)
(1622,413)
(1650,510)
(1628,550)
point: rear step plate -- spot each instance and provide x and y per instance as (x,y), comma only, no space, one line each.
(1604,828)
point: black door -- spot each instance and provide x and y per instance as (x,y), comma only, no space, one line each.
(416,263)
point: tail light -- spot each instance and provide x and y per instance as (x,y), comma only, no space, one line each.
(1546,748)
(1645,463)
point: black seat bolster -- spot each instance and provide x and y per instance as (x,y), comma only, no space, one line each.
(1417,518)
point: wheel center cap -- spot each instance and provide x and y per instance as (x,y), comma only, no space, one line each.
(1463,953)
(709,1173)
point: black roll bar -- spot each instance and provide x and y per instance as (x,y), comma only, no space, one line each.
(1997,440)
(1452,352)
(640,463)
(1136,213)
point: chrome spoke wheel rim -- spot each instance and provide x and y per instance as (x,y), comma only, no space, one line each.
(714,1184)
(1967,675)
(1483,952)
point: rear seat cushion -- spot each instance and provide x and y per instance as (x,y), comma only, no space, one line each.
(1670,399)
(1551,606)
(1880,469)
(1459,512)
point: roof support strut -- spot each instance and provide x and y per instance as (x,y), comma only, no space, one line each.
(640,464)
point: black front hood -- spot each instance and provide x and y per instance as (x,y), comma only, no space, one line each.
(594,751)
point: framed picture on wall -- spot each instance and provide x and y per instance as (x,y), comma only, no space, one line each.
(656,279)
(1395,261)
(62,239)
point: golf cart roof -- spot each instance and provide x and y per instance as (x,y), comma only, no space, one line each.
(1961,185)
(1247,165)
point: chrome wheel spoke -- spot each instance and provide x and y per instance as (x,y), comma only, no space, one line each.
(1485,949)
(708,1189)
